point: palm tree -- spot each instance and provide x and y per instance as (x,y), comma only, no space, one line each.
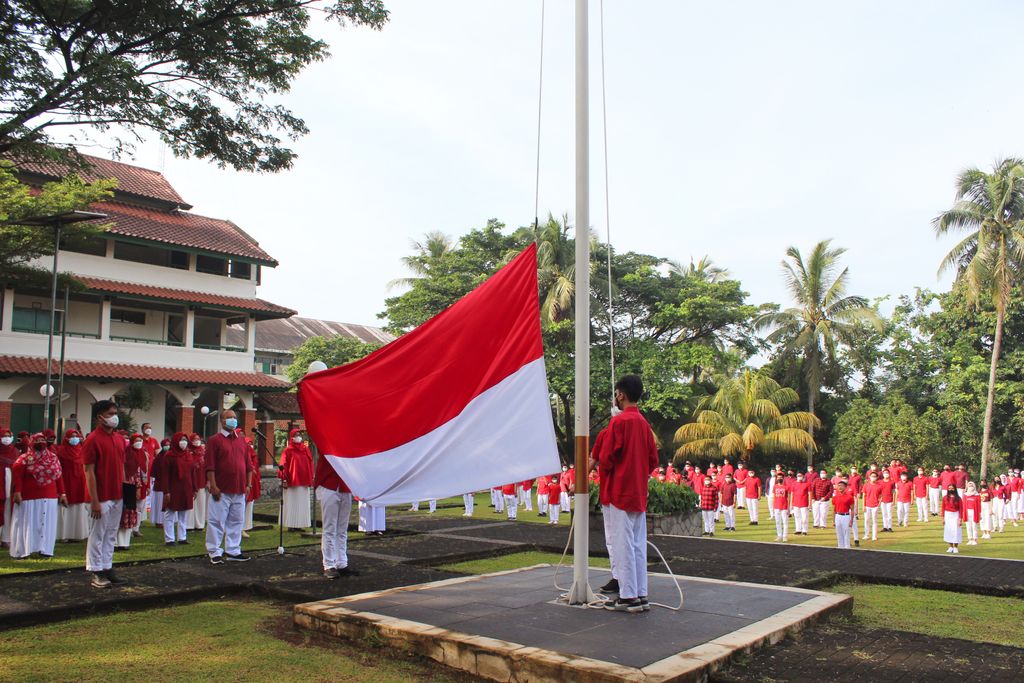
(704,269)
(989,260)
(824,315)
(435,246)
(746,414)
(556,266)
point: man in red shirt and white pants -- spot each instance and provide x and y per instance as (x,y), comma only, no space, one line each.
(228,475)
(336,507)
(842,505)
(626,457)
(103,455)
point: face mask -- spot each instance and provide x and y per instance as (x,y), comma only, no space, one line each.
(148,432)
(183,444)
(297,439)
(230,423)
(39,446)
(164,449)
(822,476)
(137,445)
(196,442)
(111,421)
(7,440)
(74,441)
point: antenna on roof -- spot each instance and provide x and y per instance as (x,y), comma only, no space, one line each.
(163,156)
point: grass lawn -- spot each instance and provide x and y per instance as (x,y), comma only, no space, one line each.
(516,560)
(453,507)
(227,640)
(919,537)
(980,618)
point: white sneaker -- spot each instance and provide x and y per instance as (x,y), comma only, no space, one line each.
(956,551)
(778,538)
(949,550)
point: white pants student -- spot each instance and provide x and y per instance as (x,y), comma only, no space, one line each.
(853,519)
(730,516)
(335,509)
(709,521)
(972,527)
(468,500)
(986,519)
(499,502)
(821,513)
(998,505)
(842,521)
(494,498)
(752,509)
(528,499)
(886,515)
(512,506)
(628,533)
(99,550)
(781,524)
(143,506)
(224,524)
(174,525)
(248,523)
(34,527)
(553,511)
(741,497)
(922,509)
(871,523)
(771,509)
(565,501)
(800,520)
(934,499)
(542,503)
(609,546)
(903,513)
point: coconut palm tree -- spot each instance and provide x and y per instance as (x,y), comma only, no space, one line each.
(989,259)
(824,315)
(746,413)
(435,246)
(704,269)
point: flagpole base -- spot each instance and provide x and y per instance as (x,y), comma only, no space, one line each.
(581,594)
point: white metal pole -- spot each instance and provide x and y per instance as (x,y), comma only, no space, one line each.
(49,336)
(580,592)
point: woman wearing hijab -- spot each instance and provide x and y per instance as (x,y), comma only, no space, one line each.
(952,514)
(972,512)
(999,497)
(985,497)
(156,503)
(178,481)
(8,454)
(197,517)
(134,468)
(296,473)
(255,489)
(73,520)
(36,488)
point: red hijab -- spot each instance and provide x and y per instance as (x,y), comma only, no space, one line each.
(180,458)
(10,452)
(68,453)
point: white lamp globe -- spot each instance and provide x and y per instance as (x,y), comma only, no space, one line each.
(316,366)
(205,410)
(46,391)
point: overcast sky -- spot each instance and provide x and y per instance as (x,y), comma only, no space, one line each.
(735,129)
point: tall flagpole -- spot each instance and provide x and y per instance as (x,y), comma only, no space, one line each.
(580,592)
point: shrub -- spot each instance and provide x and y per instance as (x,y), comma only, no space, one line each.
(662,498)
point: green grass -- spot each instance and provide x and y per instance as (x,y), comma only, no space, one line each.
(981,618)
(918,537)
(515,561)
(227,640)
(453,507)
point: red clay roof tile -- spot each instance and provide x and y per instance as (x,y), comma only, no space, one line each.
(185,296)
(141,182)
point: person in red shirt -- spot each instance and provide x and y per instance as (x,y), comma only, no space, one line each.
(568,482)
(801,490)
(336,507)
(727,501)
(780,503)
(627,454)
(960,478)
(971,512)
(843,503)
(73,518)
(708,506)
(527,494)
(134,462)
(151,446)
(872,494)
(934,493)
(542,497)
(36,489)
(554,498)
(156,495)
(296,475)
(727,468)
(228,476)
(952,514)
(8,454)
(946,478)
(740,477)
(255,486)
(821,494)
(174,473)
(197,517)
(904,492)
(103,455)
(511,504)
(752,495)
(921,482)
(887,495)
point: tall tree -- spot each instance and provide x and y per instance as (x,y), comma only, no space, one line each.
(430,253)
(556,266)
(196,73)
(824,315)
(989,207)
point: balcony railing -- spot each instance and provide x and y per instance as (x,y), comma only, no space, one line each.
(36,330)
(143,340)
(220,347)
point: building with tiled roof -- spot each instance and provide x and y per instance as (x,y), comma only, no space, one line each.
(160,291)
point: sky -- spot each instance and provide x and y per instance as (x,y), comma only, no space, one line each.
(735,129)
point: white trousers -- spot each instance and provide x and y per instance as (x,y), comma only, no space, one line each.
(842,531)
(741,497)
(730,516)
(752,504)
(499,502)
(903,513)
(818,509)
(553,511)
(528,499)
(296,507)
(709,521)
(871,518)
(998,505)
(34,527)
(512,506)
(542,502)
(922,509)
(972,526)
(781,524)
(886,515)
(934,498)
(468,501)
(565,501)
(99,551)
(174,525)
(628,533)
(607,539)
(224,524)
(248,524)
(800,520)
(336,509)
(986,517)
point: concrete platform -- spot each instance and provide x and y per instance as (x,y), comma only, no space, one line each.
(509,626)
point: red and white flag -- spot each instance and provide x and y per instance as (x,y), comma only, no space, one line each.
(459,404)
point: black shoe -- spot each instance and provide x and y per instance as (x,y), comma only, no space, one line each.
(99,580)
(112,577)
(331,573)
(348,571)
(216,559)
(857,543)
(237,558)
(611,587)
(754,523)
(170,543)
(182,542)
(632,605)
(711,534)
(644,603)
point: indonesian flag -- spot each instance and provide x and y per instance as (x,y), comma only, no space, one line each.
(459,404)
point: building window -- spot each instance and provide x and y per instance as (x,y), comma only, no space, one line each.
(241,269)
(178,259)
(35,319)
(211,265)
(269,365)
(85,244)
(123,315)
(153,256)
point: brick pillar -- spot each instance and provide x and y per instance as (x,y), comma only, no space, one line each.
(265,453)
(5,414)
(247,421)
(184,419)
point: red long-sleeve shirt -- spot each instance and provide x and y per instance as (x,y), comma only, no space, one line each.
(24,483)
(326,476)
(626,457)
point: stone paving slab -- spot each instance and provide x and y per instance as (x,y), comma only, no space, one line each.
(510,626)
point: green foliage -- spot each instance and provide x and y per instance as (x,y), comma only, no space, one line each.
(196,73)
(867,433)
(662,498)
(333,351)
(136,396)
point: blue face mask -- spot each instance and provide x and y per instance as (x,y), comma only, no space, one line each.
(74,441)
(231,423)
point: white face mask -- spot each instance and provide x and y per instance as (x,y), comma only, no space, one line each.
(148,432)
(111,421)
(137,445)
(297,439)
(7,440)
(196,442)
(183,444)
(822,476)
